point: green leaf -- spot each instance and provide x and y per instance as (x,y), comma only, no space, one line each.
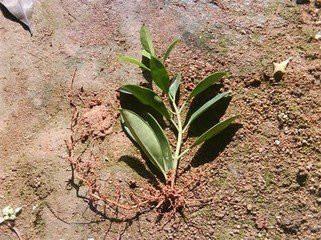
(170,48)
(175,86)
(214,130)
(133,61)
(146,138)
(205,107)
(146,40)
(163,141)
(159,74)
(126,129)
(146,54)
(207,82)
(147,97)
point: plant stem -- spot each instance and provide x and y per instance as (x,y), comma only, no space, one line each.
(179,143)
(174,123)
(185,129)
(183,153)
(179,138)
(182,107)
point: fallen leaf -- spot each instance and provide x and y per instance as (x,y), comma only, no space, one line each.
(21,9)
(18,210)
(280,68)
(317,36)
(9,214)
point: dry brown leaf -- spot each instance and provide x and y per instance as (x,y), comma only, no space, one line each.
(280,68)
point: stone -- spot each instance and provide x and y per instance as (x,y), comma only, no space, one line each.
(291,226)
(315,229)
(317,3)
(249,207)
(302,176)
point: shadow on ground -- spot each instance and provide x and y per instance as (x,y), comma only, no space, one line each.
(210,150)
(148,172)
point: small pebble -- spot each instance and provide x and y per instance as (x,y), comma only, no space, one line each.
(315,229)
(317,3)
(249,207)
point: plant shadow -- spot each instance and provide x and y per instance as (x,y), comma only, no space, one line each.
(210,117)
(72,182)
(147,171)
(147,74)
(5,12)
(211,149)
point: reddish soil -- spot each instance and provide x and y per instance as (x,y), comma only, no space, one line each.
(265,176)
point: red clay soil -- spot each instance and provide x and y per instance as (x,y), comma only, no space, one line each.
(264,175)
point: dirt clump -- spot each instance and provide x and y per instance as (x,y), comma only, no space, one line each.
(95,122)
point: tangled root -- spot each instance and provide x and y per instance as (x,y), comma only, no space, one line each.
(170,200)
(167,199)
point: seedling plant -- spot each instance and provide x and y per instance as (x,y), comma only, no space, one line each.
(162,135)
(147,131)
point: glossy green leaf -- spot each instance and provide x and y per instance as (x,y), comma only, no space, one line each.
(146,138)
(159,74)
(207,82)
(126,129)
(173,89)
(147,97)
(163,141)
(146,54)
(214,130)
(206,106)
(133,61)
(170,48)
(146,40)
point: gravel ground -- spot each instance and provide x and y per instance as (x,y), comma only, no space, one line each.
(265,175)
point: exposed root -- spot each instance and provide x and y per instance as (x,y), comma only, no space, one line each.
(121,204)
